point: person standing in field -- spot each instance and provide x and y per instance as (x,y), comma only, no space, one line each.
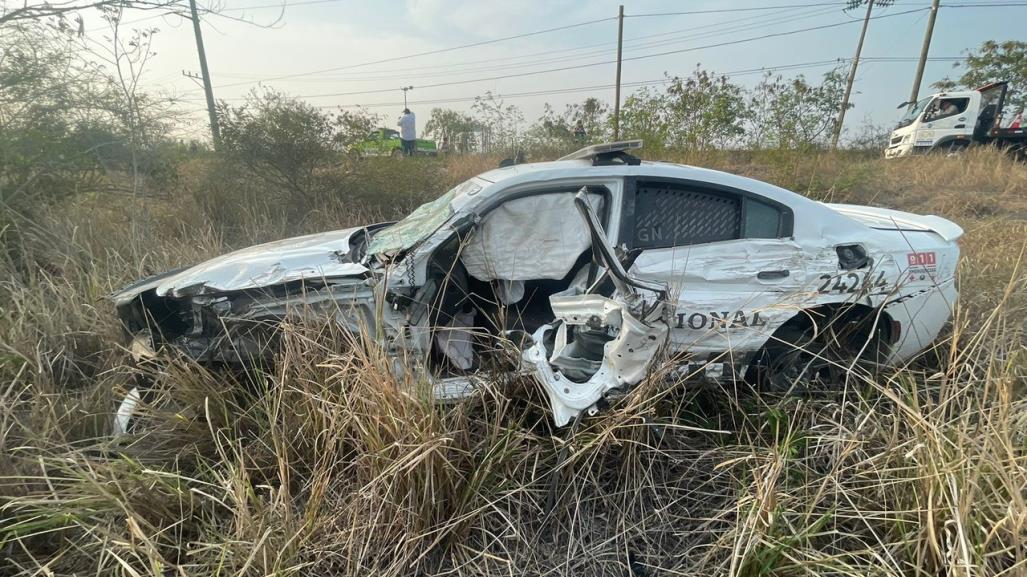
(408,131)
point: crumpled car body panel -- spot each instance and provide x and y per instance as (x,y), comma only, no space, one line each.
(577,375)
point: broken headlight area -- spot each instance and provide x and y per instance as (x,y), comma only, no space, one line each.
(239,328)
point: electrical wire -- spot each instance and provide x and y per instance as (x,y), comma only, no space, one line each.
(431,52)
(397,74)
(664,80)
(634,58)
(549,53)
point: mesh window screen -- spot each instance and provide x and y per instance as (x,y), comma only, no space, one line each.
(668,216)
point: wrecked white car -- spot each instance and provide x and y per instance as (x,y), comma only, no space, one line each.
(599,263)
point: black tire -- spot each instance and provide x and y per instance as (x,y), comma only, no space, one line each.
(1018,153)
(951,148)
(821,352)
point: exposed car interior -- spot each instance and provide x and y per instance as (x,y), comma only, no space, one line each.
(496,280)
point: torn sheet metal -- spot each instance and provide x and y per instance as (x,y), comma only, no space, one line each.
(622,361)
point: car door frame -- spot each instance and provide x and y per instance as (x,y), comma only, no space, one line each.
(769,321)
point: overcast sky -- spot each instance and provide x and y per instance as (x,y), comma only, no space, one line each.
(320,49)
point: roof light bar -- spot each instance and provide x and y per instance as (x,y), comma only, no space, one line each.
(591,152)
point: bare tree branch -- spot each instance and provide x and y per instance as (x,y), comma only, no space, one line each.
(10,13)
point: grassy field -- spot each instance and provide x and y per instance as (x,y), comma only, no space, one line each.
(332,467)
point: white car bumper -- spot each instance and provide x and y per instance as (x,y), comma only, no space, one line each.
(920,318)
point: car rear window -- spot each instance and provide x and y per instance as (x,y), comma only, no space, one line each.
(668,215)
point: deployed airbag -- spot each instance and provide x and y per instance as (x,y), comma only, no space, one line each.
(535,237)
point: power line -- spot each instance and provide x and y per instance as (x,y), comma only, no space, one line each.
(282,5)
(642,57)
(771,69)
(399,74)
(725,10)
(431,52)
(565,90)
(664,80)
(732,27)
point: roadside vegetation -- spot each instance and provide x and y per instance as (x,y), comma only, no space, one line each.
(327,465)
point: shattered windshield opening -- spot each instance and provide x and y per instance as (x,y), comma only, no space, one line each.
(418,225)
(912,113)
(415,227)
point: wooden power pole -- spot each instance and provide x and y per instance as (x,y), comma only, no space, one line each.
(616,96)
(852,78)
(923,54)
(215,130)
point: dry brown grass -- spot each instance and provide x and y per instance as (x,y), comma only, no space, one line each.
(329,466)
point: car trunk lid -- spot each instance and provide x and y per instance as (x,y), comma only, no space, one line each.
(897,220)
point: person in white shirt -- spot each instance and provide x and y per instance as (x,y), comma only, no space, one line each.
(408,131)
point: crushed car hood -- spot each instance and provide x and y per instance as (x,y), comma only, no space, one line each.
(323,255)
(887,219)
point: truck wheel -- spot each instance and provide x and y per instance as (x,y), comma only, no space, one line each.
(953,148)
(1018,153)
(396,153)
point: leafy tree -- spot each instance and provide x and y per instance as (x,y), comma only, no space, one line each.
(644,115)
(353,125)
(700,111)
(593,114)
(704,110)
(450,127)
(557,133)
(279,139)
(499,121)
(994,61)
(783,113)
(60,122)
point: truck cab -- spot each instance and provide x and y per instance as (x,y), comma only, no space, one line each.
(948,121)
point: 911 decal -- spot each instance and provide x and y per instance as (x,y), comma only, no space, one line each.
(926,259)
(852,282)
(922,265)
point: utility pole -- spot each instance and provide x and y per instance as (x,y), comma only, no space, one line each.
(616,97)
(923,54)
(215,130)
(852,78)
(404,89)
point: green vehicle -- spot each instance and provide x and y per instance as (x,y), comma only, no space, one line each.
(386,142)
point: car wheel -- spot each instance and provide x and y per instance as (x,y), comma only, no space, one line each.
(821,354)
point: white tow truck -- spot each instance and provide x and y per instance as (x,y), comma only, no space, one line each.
(950,122)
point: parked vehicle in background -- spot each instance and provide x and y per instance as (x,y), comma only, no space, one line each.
(950,122)
(386,142)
